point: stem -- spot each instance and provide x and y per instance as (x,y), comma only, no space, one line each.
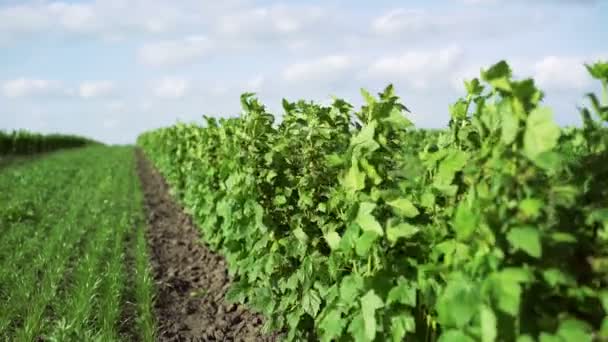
(605,92)
(469,99)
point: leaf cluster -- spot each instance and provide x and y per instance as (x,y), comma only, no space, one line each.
(343,224)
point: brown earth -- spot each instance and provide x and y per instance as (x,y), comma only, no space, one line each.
(191,281)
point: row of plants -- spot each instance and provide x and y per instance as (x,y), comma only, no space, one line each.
(74,263)
(22,142)
(344,224)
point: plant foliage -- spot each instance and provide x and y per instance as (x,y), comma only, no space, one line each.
(344,224)
(23,142)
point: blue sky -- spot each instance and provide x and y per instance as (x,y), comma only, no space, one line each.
(111,69)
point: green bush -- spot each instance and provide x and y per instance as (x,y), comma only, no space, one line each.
(353,225)
(5,143)
(23,142)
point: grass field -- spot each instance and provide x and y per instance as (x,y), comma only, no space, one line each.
(64,251)
(86,255)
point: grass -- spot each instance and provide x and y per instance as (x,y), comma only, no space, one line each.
(65,221)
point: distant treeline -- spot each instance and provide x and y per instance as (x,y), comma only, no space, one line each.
(23,142)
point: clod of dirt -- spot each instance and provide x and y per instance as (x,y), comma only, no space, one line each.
(191,280)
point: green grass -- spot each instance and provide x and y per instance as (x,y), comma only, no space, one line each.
(65,221)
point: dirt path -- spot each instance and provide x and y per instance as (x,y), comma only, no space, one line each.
(191,281)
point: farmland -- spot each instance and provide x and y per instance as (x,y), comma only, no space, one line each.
(336,223)
(63,249)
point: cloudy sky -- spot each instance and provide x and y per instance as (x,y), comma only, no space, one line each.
(110,69)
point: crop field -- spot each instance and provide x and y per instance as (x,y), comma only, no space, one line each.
(335,223)
(64,250)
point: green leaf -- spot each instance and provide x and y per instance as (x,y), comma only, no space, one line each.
(397,120)
(454,336)
(498,70)
(488,324)
(549,161)
(473,86)
(369,304)
(458,303)
(370,171)
(526,238)
(452,163)
(555,277)
(369,99)
(350,287)
(545,337)
(401,325)
(300,235)
(531,207)
(403,293)
(465,221)
(598,70)
(458,110)
(541,133)
(510,124)
(516,275)
(311,301)
(404,207)
(604,300)
(334,160)
(498,76)
(365,242)
(332,325)
(357,328)
(366,220)
(333,240)
(525,338)
(563,237)
(604,329)
(365,138)
(354,179)
(350,236)
(402,230)
(279,200)
(574,330)
(508,293)
(427,200)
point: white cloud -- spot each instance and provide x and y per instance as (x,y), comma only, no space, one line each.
(255,83)
(417,61)
(92,89)
(116,106)
(110,123)
(324,68)
(23,18)
(527,2)
(418,67)
(274,20)
(25,87)
(73,17)
(561,73)
(401,20)
(174,52)
(171,87)
(425,25)
(109,19)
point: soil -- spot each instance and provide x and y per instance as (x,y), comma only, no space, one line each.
(191,281)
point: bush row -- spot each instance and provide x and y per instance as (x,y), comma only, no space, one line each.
(23,142)
(344,224)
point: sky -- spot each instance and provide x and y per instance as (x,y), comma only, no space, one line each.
(112,69)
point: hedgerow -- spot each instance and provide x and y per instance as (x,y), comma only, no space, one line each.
(23,142)
(344,224)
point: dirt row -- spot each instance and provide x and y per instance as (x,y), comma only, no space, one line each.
(191,281)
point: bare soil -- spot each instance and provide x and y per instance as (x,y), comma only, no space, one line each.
(191,281)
